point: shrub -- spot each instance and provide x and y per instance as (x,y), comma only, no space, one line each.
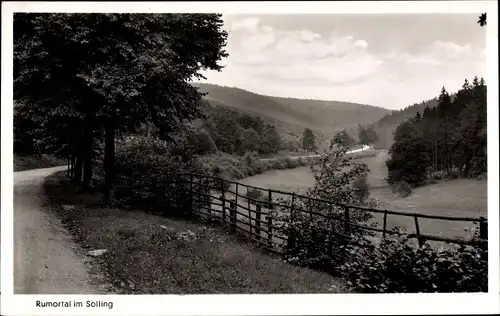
(319,241)
(36,161)
(260,166)
(397,266)
(360,189)
(144,167)
(402,189)
(279,163)
(291,163)
(438,175)
(483,176)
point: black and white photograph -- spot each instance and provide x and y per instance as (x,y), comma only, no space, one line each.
(249,153)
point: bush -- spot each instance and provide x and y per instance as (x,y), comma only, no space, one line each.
(397,266)
(22,163)
(260,166)
(482,177)
(279,163)
(291,163)
(402,189)
(144,167)
(360,189)
(316,241)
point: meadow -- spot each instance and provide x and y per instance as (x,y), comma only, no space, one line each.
(460,197)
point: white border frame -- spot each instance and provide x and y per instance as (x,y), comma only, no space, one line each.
(319,304)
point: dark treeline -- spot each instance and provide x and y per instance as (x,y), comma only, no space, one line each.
(80,79)
(449,138)
(238,133)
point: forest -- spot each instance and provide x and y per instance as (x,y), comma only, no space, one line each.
(448,139)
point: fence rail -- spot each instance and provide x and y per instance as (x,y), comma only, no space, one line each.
(230,202)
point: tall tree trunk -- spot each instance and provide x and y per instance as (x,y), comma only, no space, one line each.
(87,153)
(109,160)
(77,174)
(76,152)
(73,161)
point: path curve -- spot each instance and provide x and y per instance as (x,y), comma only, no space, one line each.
(45,258)
(365,147)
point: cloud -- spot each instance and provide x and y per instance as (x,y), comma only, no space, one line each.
(302,63)
(361,43)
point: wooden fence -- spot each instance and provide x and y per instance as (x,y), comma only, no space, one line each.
(230,202)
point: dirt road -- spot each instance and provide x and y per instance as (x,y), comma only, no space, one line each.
(46,261)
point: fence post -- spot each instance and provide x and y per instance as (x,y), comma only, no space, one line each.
(270,231)
(236,196)
(483,229)
(270,198)
(223,200)
(385,222)
(483,233)
(417,229)
(232,214)
(291,242)
(258,214)
(347,224)
(249,217)
(200,197)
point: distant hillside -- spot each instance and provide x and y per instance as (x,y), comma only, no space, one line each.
(386,126)
(295,114)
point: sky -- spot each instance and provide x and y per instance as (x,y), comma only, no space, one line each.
(386,60)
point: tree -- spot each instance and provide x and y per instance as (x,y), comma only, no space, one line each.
(345,139)
(250,141)
(111,72)
(270,140)
(445,108)
(409,160)
(367,135)
(308,140)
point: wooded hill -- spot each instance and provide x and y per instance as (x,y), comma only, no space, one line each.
(294,115)
(386,126)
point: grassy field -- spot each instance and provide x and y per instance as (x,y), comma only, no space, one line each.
(148,254)
(461,197)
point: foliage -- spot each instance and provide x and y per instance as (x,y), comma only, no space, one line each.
(360,189)
(143,165)
(409,159)
(386,126)
(402,188)
(308,140)
(450,136)
(397,265)
(346,140)
(291,115)
(237,133)
(137,72)
(22,163)
(367,135)
(199,142)
(319,240)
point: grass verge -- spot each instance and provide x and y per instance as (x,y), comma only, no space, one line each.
(148,254)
